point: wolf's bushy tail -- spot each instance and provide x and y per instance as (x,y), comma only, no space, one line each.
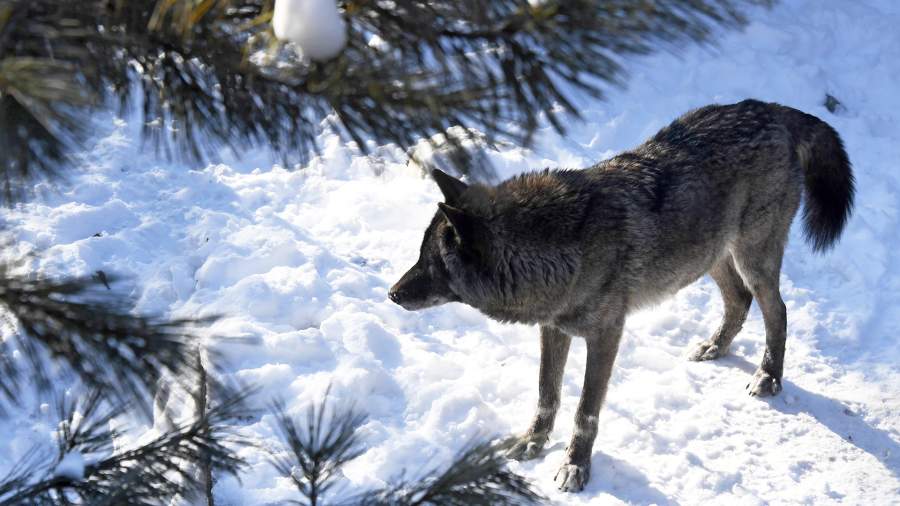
(829,181)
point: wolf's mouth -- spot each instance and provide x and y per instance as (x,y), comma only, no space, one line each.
(415,305)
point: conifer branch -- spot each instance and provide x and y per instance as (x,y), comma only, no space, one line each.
(317,448)
(79,325)
(477,475)
(151,473)
(208,74)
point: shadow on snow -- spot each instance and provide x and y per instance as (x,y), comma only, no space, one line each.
(834,415)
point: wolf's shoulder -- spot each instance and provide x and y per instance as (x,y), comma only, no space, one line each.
(535,195)
(536,188)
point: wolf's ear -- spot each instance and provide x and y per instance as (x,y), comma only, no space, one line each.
(463,223)
(451,187)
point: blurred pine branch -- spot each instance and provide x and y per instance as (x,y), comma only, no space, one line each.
(153,472)
(317,444)
(476,476)
(317,447)
(207,74)
(72,327)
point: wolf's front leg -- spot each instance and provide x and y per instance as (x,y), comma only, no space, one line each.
(601,354)
(554,350)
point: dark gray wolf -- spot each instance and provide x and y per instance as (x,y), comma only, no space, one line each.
(575,251)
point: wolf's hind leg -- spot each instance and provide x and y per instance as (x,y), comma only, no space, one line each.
(760,267)
(554,350)
(767,379)
(737,299)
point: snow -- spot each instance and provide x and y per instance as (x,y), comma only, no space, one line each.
(71,466)
(315,26)
(299,262)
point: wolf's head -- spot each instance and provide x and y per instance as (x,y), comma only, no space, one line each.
(454,244)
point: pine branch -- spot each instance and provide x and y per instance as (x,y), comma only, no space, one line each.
(85,425)
(89,333)
(207,73)
(151,474)
(20,475)
(317,449)
(201,403)
(477,475)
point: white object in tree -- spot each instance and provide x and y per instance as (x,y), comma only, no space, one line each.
(314,25)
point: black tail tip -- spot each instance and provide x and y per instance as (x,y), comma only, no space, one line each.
(831,190)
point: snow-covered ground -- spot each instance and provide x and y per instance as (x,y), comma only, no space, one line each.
(300,260)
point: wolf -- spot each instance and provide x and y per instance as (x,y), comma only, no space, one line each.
(575,251)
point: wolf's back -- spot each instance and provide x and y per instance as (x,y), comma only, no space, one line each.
(828,176)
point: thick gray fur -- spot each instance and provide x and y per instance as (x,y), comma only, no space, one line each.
(575,251)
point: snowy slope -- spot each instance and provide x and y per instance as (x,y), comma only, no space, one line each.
(300,261)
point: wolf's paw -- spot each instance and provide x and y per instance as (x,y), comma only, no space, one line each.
(527,447)
(763,384)
(572,477)
(706,350)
